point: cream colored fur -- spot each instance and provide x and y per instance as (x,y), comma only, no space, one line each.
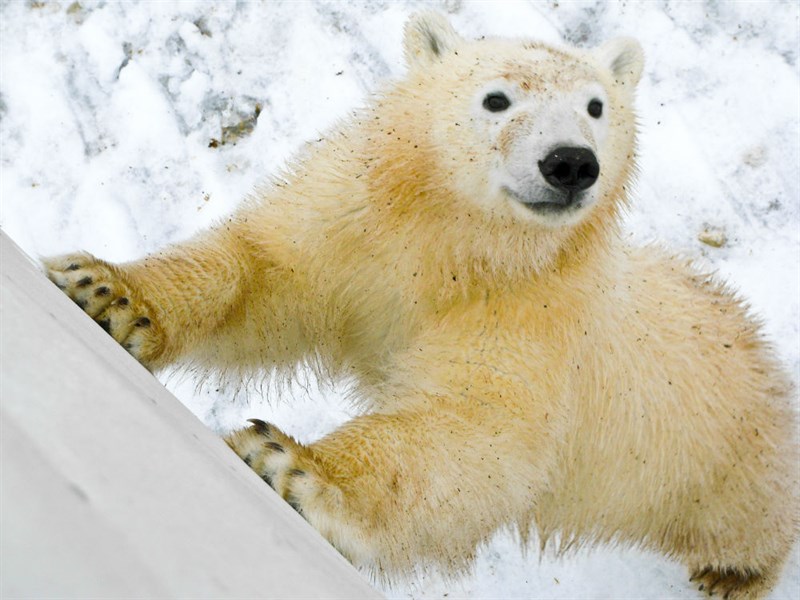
(516,369)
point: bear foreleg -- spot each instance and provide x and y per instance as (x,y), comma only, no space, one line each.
(183,301)
(390,491)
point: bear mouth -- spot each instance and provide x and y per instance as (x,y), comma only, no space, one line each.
(549,202)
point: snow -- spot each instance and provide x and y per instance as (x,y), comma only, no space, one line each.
(107,110)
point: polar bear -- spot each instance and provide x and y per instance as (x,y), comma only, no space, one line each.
(454,248)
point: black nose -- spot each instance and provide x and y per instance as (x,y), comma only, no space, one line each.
(570,169)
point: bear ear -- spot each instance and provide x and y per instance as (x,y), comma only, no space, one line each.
(624,57)
(428,36)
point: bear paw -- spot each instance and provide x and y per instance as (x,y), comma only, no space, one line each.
(729,583)
(283,463)
(102,291)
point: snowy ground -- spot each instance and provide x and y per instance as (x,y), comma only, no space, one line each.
(107,111)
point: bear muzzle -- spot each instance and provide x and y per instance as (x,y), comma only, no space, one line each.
(568,173)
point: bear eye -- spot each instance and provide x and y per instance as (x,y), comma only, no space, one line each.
(496,102)
(595,108)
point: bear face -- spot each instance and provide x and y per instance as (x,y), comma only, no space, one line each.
(539,139)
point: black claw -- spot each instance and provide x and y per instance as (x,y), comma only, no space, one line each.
(275,446)
(297,473)
(699,574)
(260,426)
(294,502)
(713,585)
(142,322)
(73,267)
(105,324)
(247,460)
(102,291)
(85,281)
(702,587)
(267,479)
(81,303)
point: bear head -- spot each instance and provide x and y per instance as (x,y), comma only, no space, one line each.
(538,140)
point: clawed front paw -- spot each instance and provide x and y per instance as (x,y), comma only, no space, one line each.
(101,290)
(283,463)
